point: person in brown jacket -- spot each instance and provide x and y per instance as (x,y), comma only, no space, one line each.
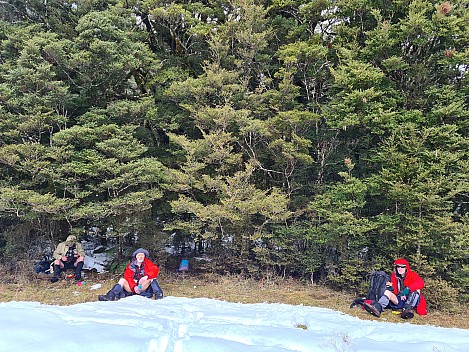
(68,255)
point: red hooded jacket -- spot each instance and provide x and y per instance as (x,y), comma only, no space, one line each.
(150,269)
(413,281)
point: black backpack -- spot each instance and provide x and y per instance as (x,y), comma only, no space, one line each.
(378,281)
(376,290)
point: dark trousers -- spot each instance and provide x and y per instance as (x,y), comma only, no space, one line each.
(69,265)
(411,301)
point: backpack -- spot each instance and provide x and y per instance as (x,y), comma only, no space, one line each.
(378,281)
(376,290)
(42,266)
(184,266)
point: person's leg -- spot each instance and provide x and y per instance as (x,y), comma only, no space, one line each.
(412,300)
(116,291)
(391,296)
(68,266)
(410,303)
(78,264)
(58,266)
(383,302)
(145,284)
(151,288)
(78,268)
(125,285)
(377,307)
(157,291)
(399,305)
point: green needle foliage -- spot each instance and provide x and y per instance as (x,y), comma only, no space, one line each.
(318,139)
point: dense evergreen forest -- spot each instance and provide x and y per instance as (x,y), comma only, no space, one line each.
(313,138)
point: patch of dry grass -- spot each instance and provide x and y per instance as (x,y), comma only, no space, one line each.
(228,288)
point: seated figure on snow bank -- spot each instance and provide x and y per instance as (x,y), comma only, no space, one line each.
(403,293)
(68,255)
(139,278)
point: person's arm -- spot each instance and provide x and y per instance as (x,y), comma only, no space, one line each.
(416,283)
(413,283)
(151,270)
(58,253)
(80,250)
(394,284)
(129,276)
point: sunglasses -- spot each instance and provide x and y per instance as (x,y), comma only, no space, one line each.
(401,266)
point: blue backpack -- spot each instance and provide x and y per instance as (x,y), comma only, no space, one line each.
(43,266)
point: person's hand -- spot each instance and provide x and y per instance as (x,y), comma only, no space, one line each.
(64,258)
(405,293)
(143,279)
(137,290)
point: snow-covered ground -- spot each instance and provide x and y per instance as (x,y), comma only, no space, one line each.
(206,325)
(97,261)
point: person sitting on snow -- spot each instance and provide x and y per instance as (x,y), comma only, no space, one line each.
(139,278)
(402,292)
(68,255)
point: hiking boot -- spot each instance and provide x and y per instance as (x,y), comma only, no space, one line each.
(57,270)
(372,309)
(112,295)
(407,314)
(54,279)
(158,292)
(104,298)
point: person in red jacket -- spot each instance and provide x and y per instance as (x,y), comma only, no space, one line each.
(402,292)
(139,278)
